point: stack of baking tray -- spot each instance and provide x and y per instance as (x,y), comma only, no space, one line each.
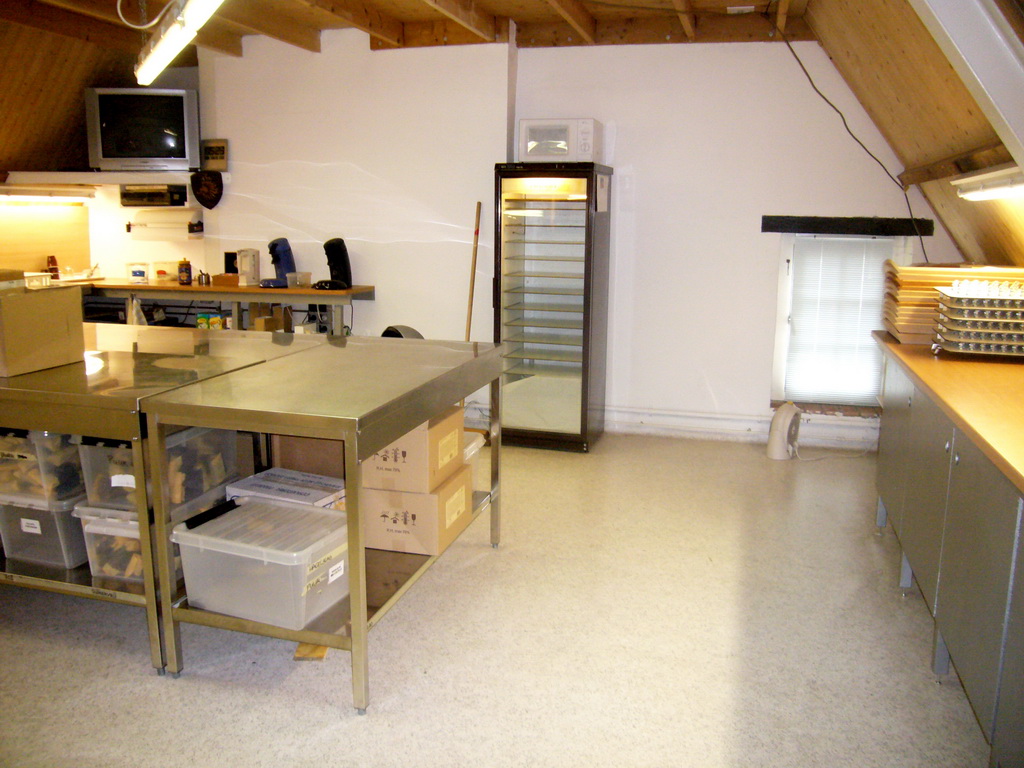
(910,310)
(981,317)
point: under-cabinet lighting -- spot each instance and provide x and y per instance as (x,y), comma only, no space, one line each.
(182,21)
(45,195)
(998,182)
(525,212)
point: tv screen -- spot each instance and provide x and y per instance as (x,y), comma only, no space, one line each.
(142,129)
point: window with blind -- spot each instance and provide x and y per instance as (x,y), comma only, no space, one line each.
(831,293)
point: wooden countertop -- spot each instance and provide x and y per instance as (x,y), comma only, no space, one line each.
(234,292)
(983,396)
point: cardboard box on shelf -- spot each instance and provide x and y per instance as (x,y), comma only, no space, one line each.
(12,280)
(420,460)
(40,329)
(420,523)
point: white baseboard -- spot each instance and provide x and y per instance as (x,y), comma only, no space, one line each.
(847,432)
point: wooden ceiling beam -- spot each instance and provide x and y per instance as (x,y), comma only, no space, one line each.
(221,37)
(578,16)
(375,23)
(105,10)
(964,162)
(60,21)
(261,20)
(465,14)
(684,9)
(780,15)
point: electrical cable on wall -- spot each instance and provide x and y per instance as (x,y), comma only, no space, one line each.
(766,16)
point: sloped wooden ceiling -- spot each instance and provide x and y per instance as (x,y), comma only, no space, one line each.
(880,46)
(929,118)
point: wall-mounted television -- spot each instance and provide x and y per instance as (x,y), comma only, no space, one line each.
(142,129)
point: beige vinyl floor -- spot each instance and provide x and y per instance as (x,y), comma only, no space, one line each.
(657,602)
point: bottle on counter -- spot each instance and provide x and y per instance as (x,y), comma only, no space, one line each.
(184,272)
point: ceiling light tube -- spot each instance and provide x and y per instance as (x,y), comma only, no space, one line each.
(177,30)
(997,182)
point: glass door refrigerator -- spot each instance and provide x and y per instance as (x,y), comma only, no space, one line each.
(551,300)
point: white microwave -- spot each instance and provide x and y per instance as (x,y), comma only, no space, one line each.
(560,140)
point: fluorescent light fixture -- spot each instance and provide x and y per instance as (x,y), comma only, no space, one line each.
(44,194)
(997,182)
(183,19)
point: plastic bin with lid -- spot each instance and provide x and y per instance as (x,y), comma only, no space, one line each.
(198,460)
(112,535)
(274,562)
(41,532)
(40,465)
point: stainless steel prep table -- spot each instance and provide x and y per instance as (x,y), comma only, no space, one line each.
(362,392)
(100,397)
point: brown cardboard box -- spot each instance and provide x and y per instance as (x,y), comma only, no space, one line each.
(12,280)
(420,460)
(422,523)
(40,329)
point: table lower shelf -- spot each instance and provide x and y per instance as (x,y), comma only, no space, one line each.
(77,581)
(388,576)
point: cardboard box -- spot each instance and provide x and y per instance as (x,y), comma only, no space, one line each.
(420,460)
(12,280)
(40,329)
(288,485)
(420,523)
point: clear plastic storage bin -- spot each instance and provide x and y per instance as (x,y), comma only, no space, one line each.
(40,465)
(112,536)
(39,532)
(199,460)
(273,562)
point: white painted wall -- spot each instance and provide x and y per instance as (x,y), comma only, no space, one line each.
(392,150)
(389,150)
(705,139)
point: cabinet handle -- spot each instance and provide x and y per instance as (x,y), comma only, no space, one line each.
(947,447)
(956,458)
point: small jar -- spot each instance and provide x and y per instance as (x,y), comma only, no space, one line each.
(184,272)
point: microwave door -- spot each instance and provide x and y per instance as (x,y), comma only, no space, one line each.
(548,141)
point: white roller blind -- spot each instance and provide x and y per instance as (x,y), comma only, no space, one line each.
(837,293)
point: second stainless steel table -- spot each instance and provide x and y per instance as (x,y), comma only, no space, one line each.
(359,394)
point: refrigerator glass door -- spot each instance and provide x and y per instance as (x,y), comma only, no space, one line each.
(543,246)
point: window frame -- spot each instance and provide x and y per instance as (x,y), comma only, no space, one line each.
(901,255)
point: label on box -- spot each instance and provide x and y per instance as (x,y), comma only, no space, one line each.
(454,507)
(327,558)
(122,481)
(312,583)
(448,447)
(336,572)
(29,525)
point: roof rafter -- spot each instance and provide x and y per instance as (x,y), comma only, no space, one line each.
(578,17)
(262,20)
(466,14)
(373,22)
(684,9)
(50,18)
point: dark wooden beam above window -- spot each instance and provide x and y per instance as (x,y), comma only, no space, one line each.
(865,226)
